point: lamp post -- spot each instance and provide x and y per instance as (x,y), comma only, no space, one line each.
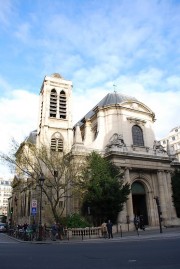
(41,182)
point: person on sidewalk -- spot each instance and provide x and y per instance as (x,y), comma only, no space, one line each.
(34,231)
(141,224)
(60,231)
(136,222)
(54,231)
(109,229)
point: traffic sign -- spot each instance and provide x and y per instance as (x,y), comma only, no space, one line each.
(33,207)
(33,210)
(34,203)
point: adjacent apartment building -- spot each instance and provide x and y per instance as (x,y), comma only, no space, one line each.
(172,143)
(5,193)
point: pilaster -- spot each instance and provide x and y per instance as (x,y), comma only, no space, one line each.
(162,193)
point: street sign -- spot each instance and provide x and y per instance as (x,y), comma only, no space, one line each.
(33,210)
(33,207)
(34,203)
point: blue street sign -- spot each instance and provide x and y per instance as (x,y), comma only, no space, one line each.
(33,210)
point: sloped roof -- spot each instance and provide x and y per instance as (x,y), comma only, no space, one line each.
(109,99)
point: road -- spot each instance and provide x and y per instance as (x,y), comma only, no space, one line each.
(161,253)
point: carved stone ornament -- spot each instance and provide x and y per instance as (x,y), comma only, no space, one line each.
(157,147)
(116,141)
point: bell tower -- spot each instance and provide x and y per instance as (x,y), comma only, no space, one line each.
(55,113)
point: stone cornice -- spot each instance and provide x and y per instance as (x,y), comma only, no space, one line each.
(136,120)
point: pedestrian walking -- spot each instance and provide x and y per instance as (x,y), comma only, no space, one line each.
(136,222)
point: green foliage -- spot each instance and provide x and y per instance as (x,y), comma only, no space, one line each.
(76,221)
(105,191)
(176,191)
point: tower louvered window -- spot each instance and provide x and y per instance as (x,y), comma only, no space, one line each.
(137,135)
(62,105)
(53,103)
(57,143)
(41,114)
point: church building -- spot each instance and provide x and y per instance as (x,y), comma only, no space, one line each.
(120,127)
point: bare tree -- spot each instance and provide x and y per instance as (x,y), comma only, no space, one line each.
(62,172)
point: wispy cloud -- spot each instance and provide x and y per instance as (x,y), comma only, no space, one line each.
(6,11)
(20,113)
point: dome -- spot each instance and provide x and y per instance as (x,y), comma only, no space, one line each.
(56,75)
(109,99)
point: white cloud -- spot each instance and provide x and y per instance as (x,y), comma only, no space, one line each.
(18,116)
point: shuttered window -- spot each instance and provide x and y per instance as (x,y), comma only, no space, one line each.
(57,143)
(62,105)
(53,103)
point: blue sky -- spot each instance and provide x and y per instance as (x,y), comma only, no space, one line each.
(96,44)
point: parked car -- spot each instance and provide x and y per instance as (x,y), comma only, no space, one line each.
(3,227)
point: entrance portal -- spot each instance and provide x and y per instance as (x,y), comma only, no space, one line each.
(139,200)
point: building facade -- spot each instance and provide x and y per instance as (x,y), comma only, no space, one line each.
(172,143)
(119,127)
(5,193)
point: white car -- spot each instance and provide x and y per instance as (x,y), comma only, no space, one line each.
(3,227)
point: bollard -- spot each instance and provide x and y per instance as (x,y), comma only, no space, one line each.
(121,230)
(82,234)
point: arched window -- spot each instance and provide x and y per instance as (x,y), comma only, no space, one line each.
(138,188)
(137,135)
(53,103)
(62,105)
(57,142)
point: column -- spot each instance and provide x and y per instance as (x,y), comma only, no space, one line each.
(171,205)
(129,203)
(162,192)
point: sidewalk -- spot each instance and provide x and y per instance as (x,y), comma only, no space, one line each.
(149,233)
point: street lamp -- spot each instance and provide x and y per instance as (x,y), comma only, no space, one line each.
(41,182)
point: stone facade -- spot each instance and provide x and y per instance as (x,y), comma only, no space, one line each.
(121,129)
(55,113)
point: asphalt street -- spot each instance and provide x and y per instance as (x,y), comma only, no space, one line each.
(150,251)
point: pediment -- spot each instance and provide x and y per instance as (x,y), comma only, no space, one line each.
(137,106)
